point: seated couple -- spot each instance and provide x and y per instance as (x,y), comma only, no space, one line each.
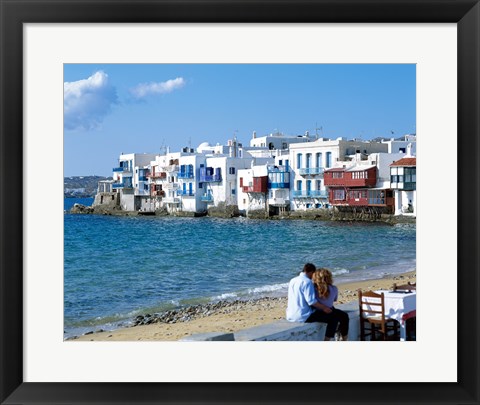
(310,299)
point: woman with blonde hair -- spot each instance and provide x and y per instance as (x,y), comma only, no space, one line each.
(326,294)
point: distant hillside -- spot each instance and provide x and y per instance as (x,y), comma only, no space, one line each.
(81,186)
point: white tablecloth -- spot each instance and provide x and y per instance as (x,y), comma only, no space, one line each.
(398,306)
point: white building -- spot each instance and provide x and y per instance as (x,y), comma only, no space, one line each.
(279,141)
(174,182)
(219,179)
(309,160)
(400,146)
(403,174)
(130,179)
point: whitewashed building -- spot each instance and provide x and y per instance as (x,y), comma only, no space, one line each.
(130,179)
(401,145)
(403,175)
(308,162)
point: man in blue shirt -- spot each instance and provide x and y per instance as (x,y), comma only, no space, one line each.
(302,304)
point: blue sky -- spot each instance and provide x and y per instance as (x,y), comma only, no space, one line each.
(111,109)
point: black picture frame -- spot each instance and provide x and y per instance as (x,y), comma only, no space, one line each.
(14,13)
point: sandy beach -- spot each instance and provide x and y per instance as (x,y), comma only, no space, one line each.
(235,317)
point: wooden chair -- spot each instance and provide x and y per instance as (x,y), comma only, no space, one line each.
(405,287)
(372,318)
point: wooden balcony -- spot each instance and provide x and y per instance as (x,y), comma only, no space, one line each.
(260,185)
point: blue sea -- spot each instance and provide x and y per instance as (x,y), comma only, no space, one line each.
(119,267)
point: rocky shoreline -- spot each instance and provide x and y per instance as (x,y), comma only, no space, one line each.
(318,214)
(204,310)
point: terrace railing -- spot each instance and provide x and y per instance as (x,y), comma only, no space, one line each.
(310,171)
(310,194)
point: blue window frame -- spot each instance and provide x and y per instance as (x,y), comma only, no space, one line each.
(299,160)
(329,159)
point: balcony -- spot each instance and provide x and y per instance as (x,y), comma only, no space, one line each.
(310,194)
(121,169)
(278,185)
(278,178)
(214,178)
(260,185)
(158,175)
(121,185)
(186,175)
(310,171)
(207,198)
(186,193)
(170,168)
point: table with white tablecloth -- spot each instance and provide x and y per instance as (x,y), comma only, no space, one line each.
(399,306)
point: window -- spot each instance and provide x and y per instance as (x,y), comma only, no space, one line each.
(308,160)
(339,194)
(318,158)
(241,181)
(233,191)
(231,170)
(357,194)
(359,175)
(319,184)
(337,175)
(329,159)
(299,160)
(299,185)
(410,175)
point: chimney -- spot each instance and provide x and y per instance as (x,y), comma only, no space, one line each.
(254,135)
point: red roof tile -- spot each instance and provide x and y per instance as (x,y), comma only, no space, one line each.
(405,162)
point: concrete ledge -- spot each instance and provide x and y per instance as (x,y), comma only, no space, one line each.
(283,331)
(351,309)
(209,337)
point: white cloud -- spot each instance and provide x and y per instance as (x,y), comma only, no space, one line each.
(145,89)
(86,102)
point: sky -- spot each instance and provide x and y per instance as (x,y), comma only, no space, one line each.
(110,109)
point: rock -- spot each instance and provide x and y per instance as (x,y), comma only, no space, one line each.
(81,209)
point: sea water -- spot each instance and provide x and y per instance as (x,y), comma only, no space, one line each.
(117,267)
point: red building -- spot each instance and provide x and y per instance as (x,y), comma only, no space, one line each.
(355,187)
